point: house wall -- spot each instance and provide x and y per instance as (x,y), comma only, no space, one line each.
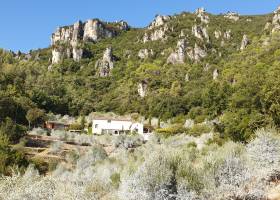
(115,125)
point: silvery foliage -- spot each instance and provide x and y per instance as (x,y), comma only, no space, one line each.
(127,141)
(73,137)
(56,146)
(233,171)
(30,186)
(264,151)
(38,131)
(230,175)
(148,181)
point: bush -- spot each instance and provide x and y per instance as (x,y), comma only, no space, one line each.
(75,127)
(10,158)
(198,129)
(115,179)
(172,130)
(13,131)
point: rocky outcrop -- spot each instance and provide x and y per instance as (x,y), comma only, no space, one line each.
(159,21)
(178,57)
(66,41)
(187,78)
(276,20)
(57,55)
(106,64)
(245,42)
(142,88)
(196,53)
(158,34)
(200,32)
(232,16)
(201,13)
(95,30)
(145,53)
(123,26)
(182,34)
(217,34)
(215,74)
(77,53)
(227,35)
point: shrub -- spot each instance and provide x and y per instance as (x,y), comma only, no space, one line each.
(172,130)
(75,127)
(115,179)
(198,129)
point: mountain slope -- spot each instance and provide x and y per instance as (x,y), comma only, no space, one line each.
(191,65)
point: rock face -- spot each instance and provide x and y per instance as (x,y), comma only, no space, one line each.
(145,53)
(56,56)
(95,30)
(158,34)
(142,88)
(178,57)
(245,42)
(232,15)
(123,26)
(159,21)
(200,32)
(66,41)
(196,53)
(227,35)
(106,64)
(201,13)
(276,20)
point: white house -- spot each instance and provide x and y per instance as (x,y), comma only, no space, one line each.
(116,126)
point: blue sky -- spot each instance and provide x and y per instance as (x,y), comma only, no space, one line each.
(28,24)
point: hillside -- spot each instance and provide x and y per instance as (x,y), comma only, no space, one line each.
(190,65)
(206,86)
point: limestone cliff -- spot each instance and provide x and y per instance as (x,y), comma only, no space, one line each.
(67,41)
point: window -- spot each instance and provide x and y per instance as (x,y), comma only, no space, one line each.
(109,121)
(96,126)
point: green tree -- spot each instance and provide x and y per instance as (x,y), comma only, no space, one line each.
(34,115)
